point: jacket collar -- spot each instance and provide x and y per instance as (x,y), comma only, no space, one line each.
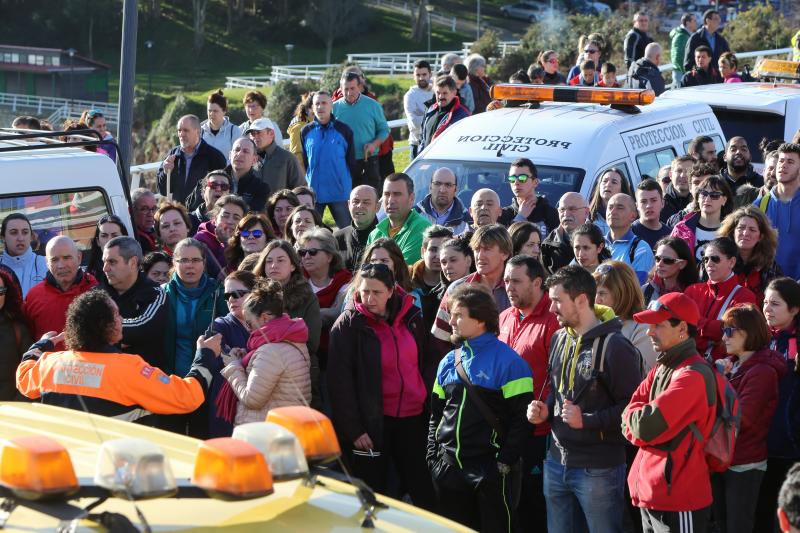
(539,310)
(724,286)
(52,280)
(677,354)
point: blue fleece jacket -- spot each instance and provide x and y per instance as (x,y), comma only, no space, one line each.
(366,119)
(329,159)
(785,217)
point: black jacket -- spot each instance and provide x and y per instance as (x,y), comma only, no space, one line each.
(557,250)
(352,242)
(250,187)
(354,372)
(634,44)
(673,203)
(699,38)
(183,187)
(543,215)
(695,77)
(602,392)
(644,72)
(144,309)
(751,177)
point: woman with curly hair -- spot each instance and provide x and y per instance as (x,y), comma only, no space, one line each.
(14,335)
(251,236)
(279,262)
(109,382)
(612,181)
(757,241)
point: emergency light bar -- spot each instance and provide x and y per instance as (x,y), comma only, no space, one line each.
(583,95)
(777,68)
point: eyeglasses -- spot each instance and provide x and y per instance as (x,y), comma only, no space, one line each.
(94,113)
(218,186)
(189,260)
(714,195)
(145,209)
(302,252)
(728,331)
(235,294)
(256,233)
(522,178)
(3,290)
(666,260)
(569,209)
(553,61)
(713,258)
(590,50)
(442,185)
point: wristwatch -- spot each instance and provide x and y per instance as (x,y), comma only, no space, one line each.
(504,469)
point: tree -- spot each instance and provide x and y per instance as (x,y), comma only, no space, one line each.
(331,19)
(419,22)
(758,28)
(199,23)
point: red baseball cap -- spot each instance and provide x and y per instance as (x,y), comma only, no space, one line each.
(671,305)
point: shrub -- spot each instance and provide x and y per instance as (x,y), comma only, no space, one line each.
(488,45)
(285,97)
(758,28)
(513,61)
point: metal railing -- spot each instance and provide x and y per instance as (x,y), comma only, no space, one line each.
(505,47)
(51,103)
(398,62)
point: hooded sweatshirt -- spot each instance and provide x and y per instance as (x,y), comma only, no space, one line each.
(274,373)
(600,385)
(223,139)
(207,234)
(29,267)
(785,217)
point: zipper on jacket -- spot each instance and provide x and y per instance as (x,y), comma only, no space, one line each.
(397,364)
(458,426)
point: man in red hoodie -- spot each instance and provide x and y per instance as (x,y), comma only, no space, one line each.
(669,480)
(527,327)
(45,307)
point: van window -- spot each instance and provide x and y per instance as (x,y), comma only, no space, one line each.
(650,162)
(752,126)
(72,213)
(719,144)
(474,175)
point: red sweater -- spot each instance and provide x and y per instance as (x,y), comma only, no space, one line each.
(530,338)
(710,298)
(45,307)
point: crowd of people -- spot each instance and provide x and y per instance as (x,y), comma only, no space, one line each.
(508,367)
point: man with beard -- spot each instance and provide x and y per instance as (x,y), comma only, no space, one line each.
(441,206)
(415,103)
(557,248)
(447,110)
(471,455)
(738,170)
(484,209)
(782,206)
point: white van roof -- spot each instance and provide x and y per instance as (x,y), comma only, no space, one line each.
(80,167)
(567,139)
(756,96)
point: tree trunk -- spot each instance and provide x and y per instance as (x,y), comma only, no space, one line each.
(199,23)
(229,26)
(156,8)
(328,49)
(420,22)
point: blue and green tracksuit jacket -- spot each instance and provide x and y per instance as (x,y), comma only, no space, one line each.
(457,429)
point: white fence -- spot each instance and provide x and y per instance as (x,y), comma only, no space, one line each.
(505,47)
(61,108)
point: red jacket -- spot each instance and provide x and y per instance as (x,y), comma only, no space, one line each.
(530,338)
(670,397)
(710,298)
(45,307)
(756,385)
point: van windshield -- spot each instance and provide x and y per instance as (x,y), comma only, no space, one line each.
(70,213)
(752,126)
(474,175)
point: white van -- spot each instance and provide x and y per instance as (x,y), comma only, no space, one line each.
(62,188)
(751,110)
(570,143)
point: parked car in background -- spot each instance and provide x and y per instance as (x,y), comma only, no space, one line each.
(530,11)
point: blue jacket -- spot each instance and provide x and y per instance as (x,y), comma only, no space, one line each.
(457,220)
(640,258)
(785,217)
(329,159)
(457,429)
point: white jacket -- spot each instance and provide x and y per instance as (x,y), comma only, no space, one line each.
(223,140)
(414,106)
(29,267)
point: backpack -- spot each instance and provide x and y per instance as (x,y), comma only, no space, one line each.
(763,203)
(728,415)
(638,81)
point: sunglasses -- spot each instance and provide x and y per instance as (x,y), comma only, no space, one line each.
(3,290)
(366,267)
(553,61)
(655,305)
(219,186)
(604,269)
(235,294)
(714,195)
(302,252)
(666,260)
(256,233)
(522,178)
(713,258)
(590,51)
(728,331)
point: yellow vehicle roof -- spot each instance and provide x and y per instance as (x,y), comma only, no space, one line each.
(328,506)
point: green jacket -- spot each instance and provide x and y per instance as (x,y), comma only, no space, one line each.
(679,37)
(409,239)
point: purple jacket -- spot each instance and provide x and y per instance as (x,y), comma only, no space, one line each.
(207,234)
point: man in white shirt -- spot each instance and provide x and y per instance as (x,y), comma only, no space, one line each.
(414,103)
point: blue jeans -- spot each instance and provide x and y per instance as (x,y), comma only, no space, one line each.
(584,499)
(339,212)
